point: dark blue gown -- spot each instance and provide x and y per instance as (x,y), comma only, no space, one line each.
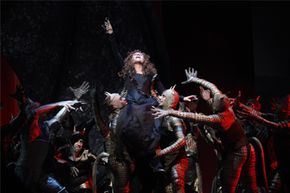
(136,126)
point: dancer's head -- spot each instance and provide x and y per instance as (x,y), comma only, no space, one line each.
(137,57)
(77,141)
(220,103)
(115,100)
(169,99)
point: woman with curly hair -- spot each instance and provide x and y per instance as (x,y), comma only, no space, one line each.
(135,122)
(136,126)
(140,77)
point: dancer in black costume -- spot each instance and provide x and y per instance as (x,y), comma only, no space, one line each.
(35,137)
(74,165)
(119,164)
(281,133)
(32,166)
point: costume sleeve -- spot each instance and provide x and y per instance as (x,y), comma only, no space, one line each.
(179,129)
(280,125)
(58,117)
(45,109)
(213,89)
(49,107)
(100,123)
(118,58)
(196,116)
(258,117)
(157,87)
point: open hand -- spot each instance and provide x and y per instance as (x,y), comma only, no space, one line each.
(158,113)
(107,26)
(190,75)
(80,91)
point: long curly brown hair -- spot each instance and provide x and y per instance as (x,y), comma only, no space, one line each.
(128,68)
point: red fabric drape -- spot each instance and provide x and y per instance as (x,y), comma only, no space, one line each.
(9,80)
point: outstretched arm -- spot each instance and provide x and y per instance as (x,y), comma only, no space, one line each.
(178,126)
(252,113)
(78,93)
(59,116)
(281,124)
(49,107)
(158,113)
(109,30)
(192,77)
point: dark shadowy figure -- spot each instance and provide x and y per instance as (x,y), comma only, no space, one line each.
(74,165)
(281,135)
(120,164)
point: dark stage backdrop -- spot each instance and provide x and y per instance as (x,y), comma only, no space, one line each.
(53,45)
